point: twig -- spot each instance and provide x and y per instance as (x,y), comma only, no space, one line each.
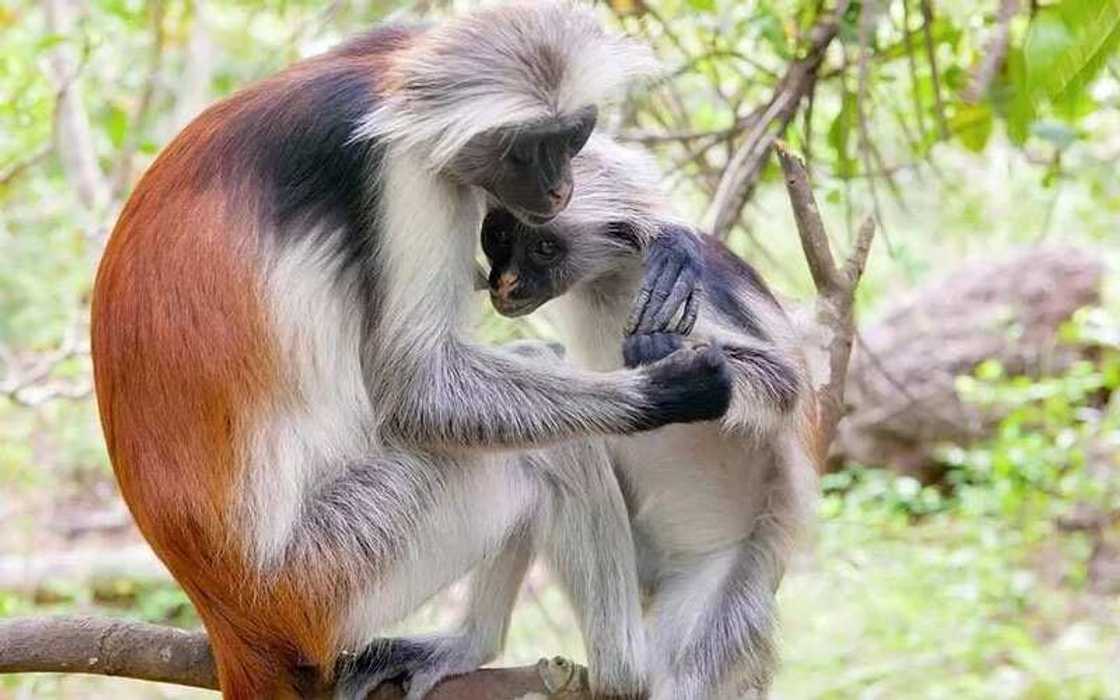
(994,53)
(17,169)
(151,652)
(935,74)
(912,64)
(866,23)
(74,140)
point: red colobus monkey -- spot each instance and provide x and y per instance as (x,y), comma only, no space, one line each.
(714,507)
(294,415)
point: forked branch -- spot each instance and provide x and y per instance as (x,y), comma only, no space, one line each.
(830,346)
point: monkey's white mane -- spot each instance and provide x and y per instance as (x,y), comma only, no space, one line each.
(513,64)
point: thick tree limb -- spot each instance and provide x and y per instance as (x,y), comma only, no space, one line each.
(106,647)
(139,650)
(829,346)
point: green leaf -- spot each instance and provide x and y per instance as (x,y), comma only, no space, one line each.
(973,125)
(1020,111)
(116,125)
(1068,45)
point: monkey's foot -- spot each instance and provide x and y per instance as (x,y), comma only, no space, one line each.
(385,660)
(447,656)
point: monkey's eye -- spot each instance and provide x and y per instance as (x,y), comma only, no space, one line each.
(546,251)
(520,154)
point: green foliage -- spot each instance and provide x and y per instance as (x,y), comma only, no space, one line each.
(1069,44)
(1058,448)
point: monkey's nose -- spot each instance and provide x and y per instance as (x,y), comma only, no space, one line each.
(507,282)
(558,196)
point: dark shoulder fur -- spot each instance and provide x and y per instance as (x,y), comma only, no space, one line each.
(725,274)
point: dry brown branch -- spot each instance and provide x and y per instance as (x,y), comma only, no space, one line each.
(157,653)
(745,165)
(106,647)
(829,346)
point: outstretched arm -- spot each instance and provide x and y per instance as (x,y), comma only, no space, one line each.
(472,396)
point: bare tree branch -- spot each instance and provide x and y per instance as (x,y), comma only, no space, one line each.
(139,650)
(193,90)
(912,65)
(831,345)
(106,647)
(16,169)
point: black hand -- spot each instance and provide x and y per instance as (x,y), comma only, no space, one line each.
(692,384)
(673,271)
(647,348)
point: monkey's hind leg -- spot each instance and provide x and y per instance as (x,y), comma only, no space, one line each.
(591,552)
(713,627)
(481,636)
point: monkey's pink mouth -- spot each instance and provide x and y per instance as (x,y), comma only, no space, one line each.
(513,309)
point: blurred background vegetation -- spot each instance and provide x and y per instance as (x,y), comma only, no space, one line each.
(969,534)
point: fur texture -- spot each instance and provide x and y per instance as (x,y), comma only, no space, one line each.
(294,415)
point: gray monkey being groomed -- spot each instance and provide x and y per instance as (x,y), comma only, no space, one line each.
(714,506)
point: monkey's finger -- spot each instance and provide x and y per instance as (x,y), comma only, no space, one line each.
(678,296)
(691,313)
(636,310)
(653,268)
(659,295)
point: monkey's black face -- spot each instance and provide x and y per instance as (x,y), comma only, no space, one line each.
(528,167)
(528,266)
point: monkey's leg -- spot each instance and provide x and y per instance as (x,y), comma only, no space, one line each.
(591,551)
(713,625)
(482,634)
(400,529)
